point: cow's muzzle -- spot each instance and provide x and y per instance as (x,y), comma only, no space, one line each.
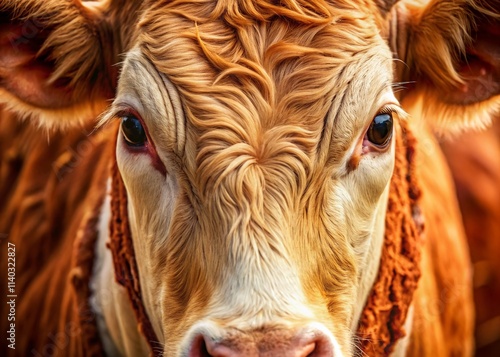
(314,340)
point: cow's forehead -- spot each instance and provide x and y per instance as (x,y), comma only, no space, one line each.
(256,71)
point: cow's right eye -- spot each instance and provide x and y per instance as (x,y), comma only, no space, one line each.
(380,131)
(133,131)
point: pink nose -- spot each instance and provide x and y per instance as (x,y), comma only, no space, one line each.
(263,343)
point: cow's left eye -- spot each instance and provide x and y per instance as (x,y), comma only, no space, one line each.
(133,131)
(380,131)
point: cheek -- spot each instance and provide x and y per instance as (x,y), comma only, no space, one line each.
(138,169)
(151,195)
(361,193)
(151,203)
(371,178)
(141,180)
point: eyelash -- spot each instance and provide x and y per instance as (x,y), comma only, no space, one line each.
(387,109)
(127,112)
(393,109)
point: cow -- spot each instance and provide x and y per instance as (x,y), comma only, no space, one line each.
(265,181)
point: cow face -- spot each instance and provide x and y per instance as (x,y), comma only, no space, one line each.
(256,146)
(257,159)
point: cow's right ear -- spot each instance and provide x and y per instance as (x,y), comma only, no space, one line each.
(58,57)
(450,52)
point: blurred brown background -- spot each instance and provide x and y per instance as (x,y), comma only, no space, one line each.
(474,160)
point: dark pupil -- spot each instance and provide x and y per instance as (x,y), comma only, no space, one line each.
(133,131)
(380,129)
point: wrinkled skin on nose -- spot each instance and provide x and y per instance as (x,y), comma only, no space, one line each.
(269,342)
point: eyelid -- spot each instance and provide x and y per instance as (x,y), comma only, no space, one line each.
(116,112)
(124,110)
(393,108)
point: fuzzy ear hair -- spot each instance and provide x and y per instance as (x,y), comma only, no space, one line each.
(57,58)
(451,50)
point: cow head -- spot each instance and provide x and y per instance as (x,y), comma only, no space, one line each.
(256,145)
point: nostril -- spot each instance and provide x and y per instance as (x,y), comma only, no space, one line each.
(203,346)
(199,348)
(203,349)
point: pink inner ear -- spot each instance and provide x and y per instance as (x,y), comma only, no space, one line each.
(481,68)
(24,75)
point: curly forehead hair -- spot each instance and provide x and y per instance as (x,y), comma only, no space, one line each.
(257,56)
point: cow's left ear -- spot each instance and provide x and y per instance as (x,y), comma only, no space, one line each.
(59,58)
(451,50)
